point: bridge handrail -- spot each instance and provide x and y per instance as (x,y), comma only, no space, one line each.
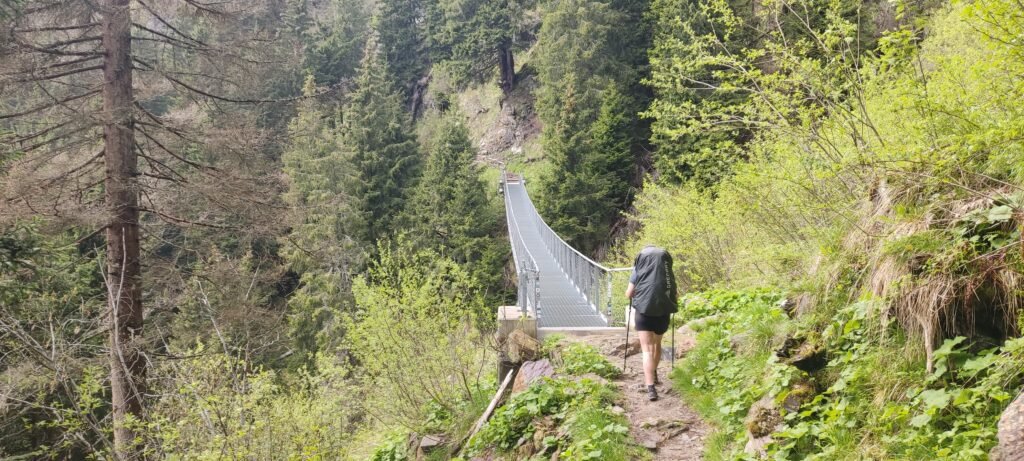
(590,286)
(530,263)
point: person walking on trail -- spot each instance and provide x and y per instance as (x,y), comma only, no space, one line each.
(652,291)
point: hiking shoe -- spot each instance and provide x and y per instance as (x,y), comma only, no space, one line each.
(652,393)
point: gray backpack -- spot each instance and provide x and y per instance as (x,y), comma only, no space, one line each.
(655,292)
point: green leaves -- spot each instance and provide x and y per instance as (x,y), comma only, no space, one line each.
(579,359)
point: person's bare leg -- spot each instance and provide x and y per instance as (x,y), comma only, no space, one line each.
(656,353)
(647,347)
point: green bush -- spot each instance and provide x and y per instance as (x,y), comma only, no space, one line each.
(577,414)
(580,359)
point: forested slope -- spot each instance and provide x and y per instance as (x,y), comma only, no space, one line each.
(270,229)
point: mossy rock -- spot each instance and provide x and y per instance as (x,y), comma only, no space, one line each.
(763,418)
(804,352)
(799,394)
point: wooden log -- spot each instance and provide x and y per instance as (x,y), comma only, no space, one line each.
(493,405)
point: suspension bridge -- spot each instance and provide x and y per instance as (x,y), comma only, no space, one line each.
(557,285)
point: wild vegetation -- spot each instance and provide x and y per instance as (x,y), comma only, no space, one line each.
(270,229)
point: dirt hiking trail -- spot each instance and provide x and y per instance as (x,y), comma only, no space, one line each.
(669,428)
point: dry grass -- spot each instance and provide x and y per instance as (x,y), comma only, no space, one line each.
(978,295)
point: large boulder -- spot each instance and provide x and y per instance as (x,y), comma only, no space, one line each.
(530,372)
(520,347)
(1011,433)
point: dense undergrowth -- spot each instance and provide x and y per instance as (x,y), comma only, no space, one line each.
(872,400)
(570,414)
(888,215)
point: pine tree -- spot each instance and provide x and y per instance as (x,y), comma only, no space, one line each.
(472,37)
(381,154)
(400,26)
(589,66)
(336,44)
(316,248)
(450,211)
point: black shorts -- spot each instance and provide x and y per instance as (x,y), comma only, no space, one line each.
(657,325)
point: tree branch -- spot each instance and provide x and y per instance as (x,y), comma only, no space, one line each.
(49,105)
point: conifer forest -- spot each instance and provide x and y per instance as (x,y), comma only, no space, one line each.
(284,229)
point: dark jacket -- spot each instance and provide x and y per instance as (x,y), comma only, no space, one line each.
(655,284)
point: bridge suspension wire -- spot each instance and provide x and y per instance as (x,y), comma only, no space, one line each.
(573,286)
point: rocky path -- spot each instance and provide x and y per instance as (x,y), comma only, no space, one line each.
(667,427)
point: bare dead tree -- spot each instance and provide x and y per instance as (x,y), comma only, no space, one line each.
(85,135)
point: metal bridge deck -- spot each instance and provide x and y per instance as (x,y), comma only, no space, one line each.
(560,303)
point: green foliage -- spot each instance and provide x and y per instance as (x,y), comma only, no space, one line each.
(402,34)
(450,211)
(469,37)
(382,161)
(394,448)
(215,406)
(580,359)
(874,401)
(693,143)
(576,418)
(590,54)
(335,43)
(415,335)
(51,300)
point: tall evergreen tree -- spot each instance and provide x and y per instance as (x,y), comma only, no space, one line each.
(380,151)
(449,211)
(337,41)
(590,62)
(316,248)
(472,37)
(401,27)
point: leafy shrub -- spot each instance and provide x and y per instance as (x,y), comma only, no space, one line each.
(214,407)
(417,336)
(591,431)
(579,359)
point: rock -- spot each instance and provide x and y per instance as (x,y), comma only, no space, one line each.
(686,340)
(1011,433)
(428,444)
(703,322)
(542,429)
(804,353)
(521,347)
(737,341)
(618,410)
(797,306)
(632,348)
(530,372)
(649,443)
(757,446)
(763,418)
(799,393)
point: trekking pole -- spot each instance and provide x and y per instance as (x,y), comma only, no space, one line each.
(673,327)
(625,349)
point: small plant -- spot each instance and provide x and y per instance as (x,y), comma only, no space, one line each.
(580,359)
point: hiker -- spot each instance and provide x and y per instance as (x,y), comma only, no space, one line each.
(652,291)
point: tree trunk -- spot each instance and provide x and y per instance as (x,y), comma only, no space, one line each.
(508,68)
(124,275)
